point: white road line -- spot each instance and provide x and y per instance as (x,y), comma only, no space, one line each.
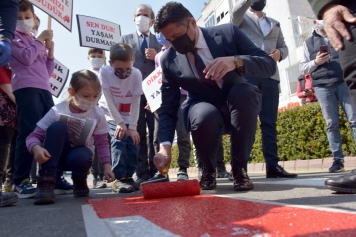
(318,182)
(94,226)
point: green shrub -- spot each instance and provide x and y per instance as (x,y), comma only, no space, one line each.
(301,135)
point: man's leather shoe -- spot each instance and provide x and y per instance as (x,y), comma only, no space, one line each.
(343,184)
(208,180)
(241,180)
(279,172)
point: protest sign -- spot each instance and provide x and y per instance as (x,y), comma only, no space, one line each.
(59,78)
(97,33)
(152,88)
(60,10)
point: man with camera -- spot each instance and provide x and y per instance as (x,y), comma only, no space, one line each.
(321,60)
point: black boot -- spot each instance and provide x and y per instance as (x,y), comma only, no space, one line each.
(208,180)
(80,186)
(45,190)
(241,180)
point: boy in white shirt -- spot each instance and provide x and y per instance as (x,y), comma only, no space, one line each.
(122,88)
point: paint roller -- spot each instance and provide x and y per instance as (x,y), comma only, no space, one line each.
(152,190)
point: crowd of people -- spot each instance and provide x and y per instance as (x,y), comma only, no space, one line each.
(215,81)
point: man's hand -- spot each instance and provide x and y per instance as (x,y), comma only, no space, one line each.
(40,154)
(5,51)
(45,35)
(333,17)
(308,92)
(150,53)
(120,131)
(147,107)
(163,158)
(275,54)
(134,135)
(219,67)
(110,176)
(321,58)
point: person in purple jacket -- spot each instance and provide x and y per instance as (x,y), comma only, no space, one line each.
(32,65)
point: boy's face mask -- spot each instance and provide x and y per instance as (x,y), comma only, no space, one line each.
(123,74)
(25,26)
(161,40)
(96,63)
(84,104)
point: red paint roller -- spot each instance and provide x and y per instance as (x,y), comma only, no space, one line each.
(170,189)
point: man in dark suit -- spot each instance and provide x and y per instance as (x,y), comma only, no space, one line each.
(208,63)
(145,46)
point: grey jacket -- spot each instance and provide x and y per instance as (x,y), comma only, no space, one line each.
(250,25)
(146,66)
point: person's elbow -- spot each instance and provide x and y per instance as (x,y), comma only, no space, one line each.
(272,66)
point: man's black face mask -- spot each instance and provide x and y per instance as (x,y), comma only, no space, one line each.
(183,44)
(258,5)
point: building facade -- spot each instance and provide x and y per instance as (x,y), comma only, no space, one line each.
(296,20)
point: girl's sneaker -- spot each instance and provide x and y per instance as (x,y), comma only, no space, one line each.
(7,199)
(63,187)
(25,189)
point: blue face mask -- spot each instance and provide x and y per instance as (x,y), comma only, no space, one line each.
(161,40)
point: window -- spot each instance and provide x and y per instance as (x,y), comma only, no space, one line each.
(210,20)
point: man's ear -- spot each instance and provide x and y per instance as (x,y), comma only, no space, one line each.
(71,91)
(314,22)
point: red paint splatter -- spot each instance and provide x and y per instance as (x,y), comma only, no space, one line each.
(217,216)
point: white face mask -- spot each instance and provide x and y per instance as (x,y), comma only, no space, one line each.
(25,26)
(142,23)
(34,32)
(96,63)
(84,104)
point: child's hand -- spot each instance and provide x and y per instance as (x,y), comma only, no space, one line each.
(49,44)
(110,176)
(40,154)
(148,107)
(45,35)
(134,135)
(120,131)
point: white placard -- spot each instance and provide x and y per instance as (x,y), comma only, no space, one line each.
(60,10)
(59,78)
(152,88)
(97,33)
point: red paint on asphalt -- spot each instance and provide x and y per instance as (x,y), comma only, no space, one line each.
(218,216)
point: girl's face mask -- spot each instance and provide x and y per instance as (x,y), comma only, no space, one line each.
(84,104)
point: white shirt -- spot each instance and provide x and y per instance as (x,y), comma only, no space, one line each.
(122,92)
(95,114)
(265,24)
(140,39)
(205,55)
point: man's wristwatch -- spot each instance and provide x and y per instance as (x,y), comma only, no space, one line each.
(239,63)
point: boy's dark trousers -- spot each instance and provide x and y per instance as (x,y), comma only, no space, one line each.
(32,104)
(77,159)
(123,154)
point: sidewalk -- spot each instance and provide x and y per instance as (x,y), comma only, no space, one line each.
(298,166)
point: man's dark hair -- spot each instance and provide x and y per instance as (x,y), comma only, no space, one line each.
(172,12)
(24,5)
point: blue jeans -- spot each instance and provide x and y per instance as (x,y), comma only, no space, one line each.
(329,98)
(77,159)
(268,118)
(123,154)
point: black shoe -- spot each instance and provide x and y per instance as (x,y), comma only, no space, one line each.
(158,177)
(241,180)
(142,179)
(8,198)
(208,180)
(45,190)
(133,183)
(279,172)
(122,186)
(223,174)
(343,184)
(80,186)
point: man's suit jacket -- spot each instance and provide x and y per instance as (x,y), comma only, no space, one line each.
(223,40)
(318,5)
(146,66)
(250,25)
